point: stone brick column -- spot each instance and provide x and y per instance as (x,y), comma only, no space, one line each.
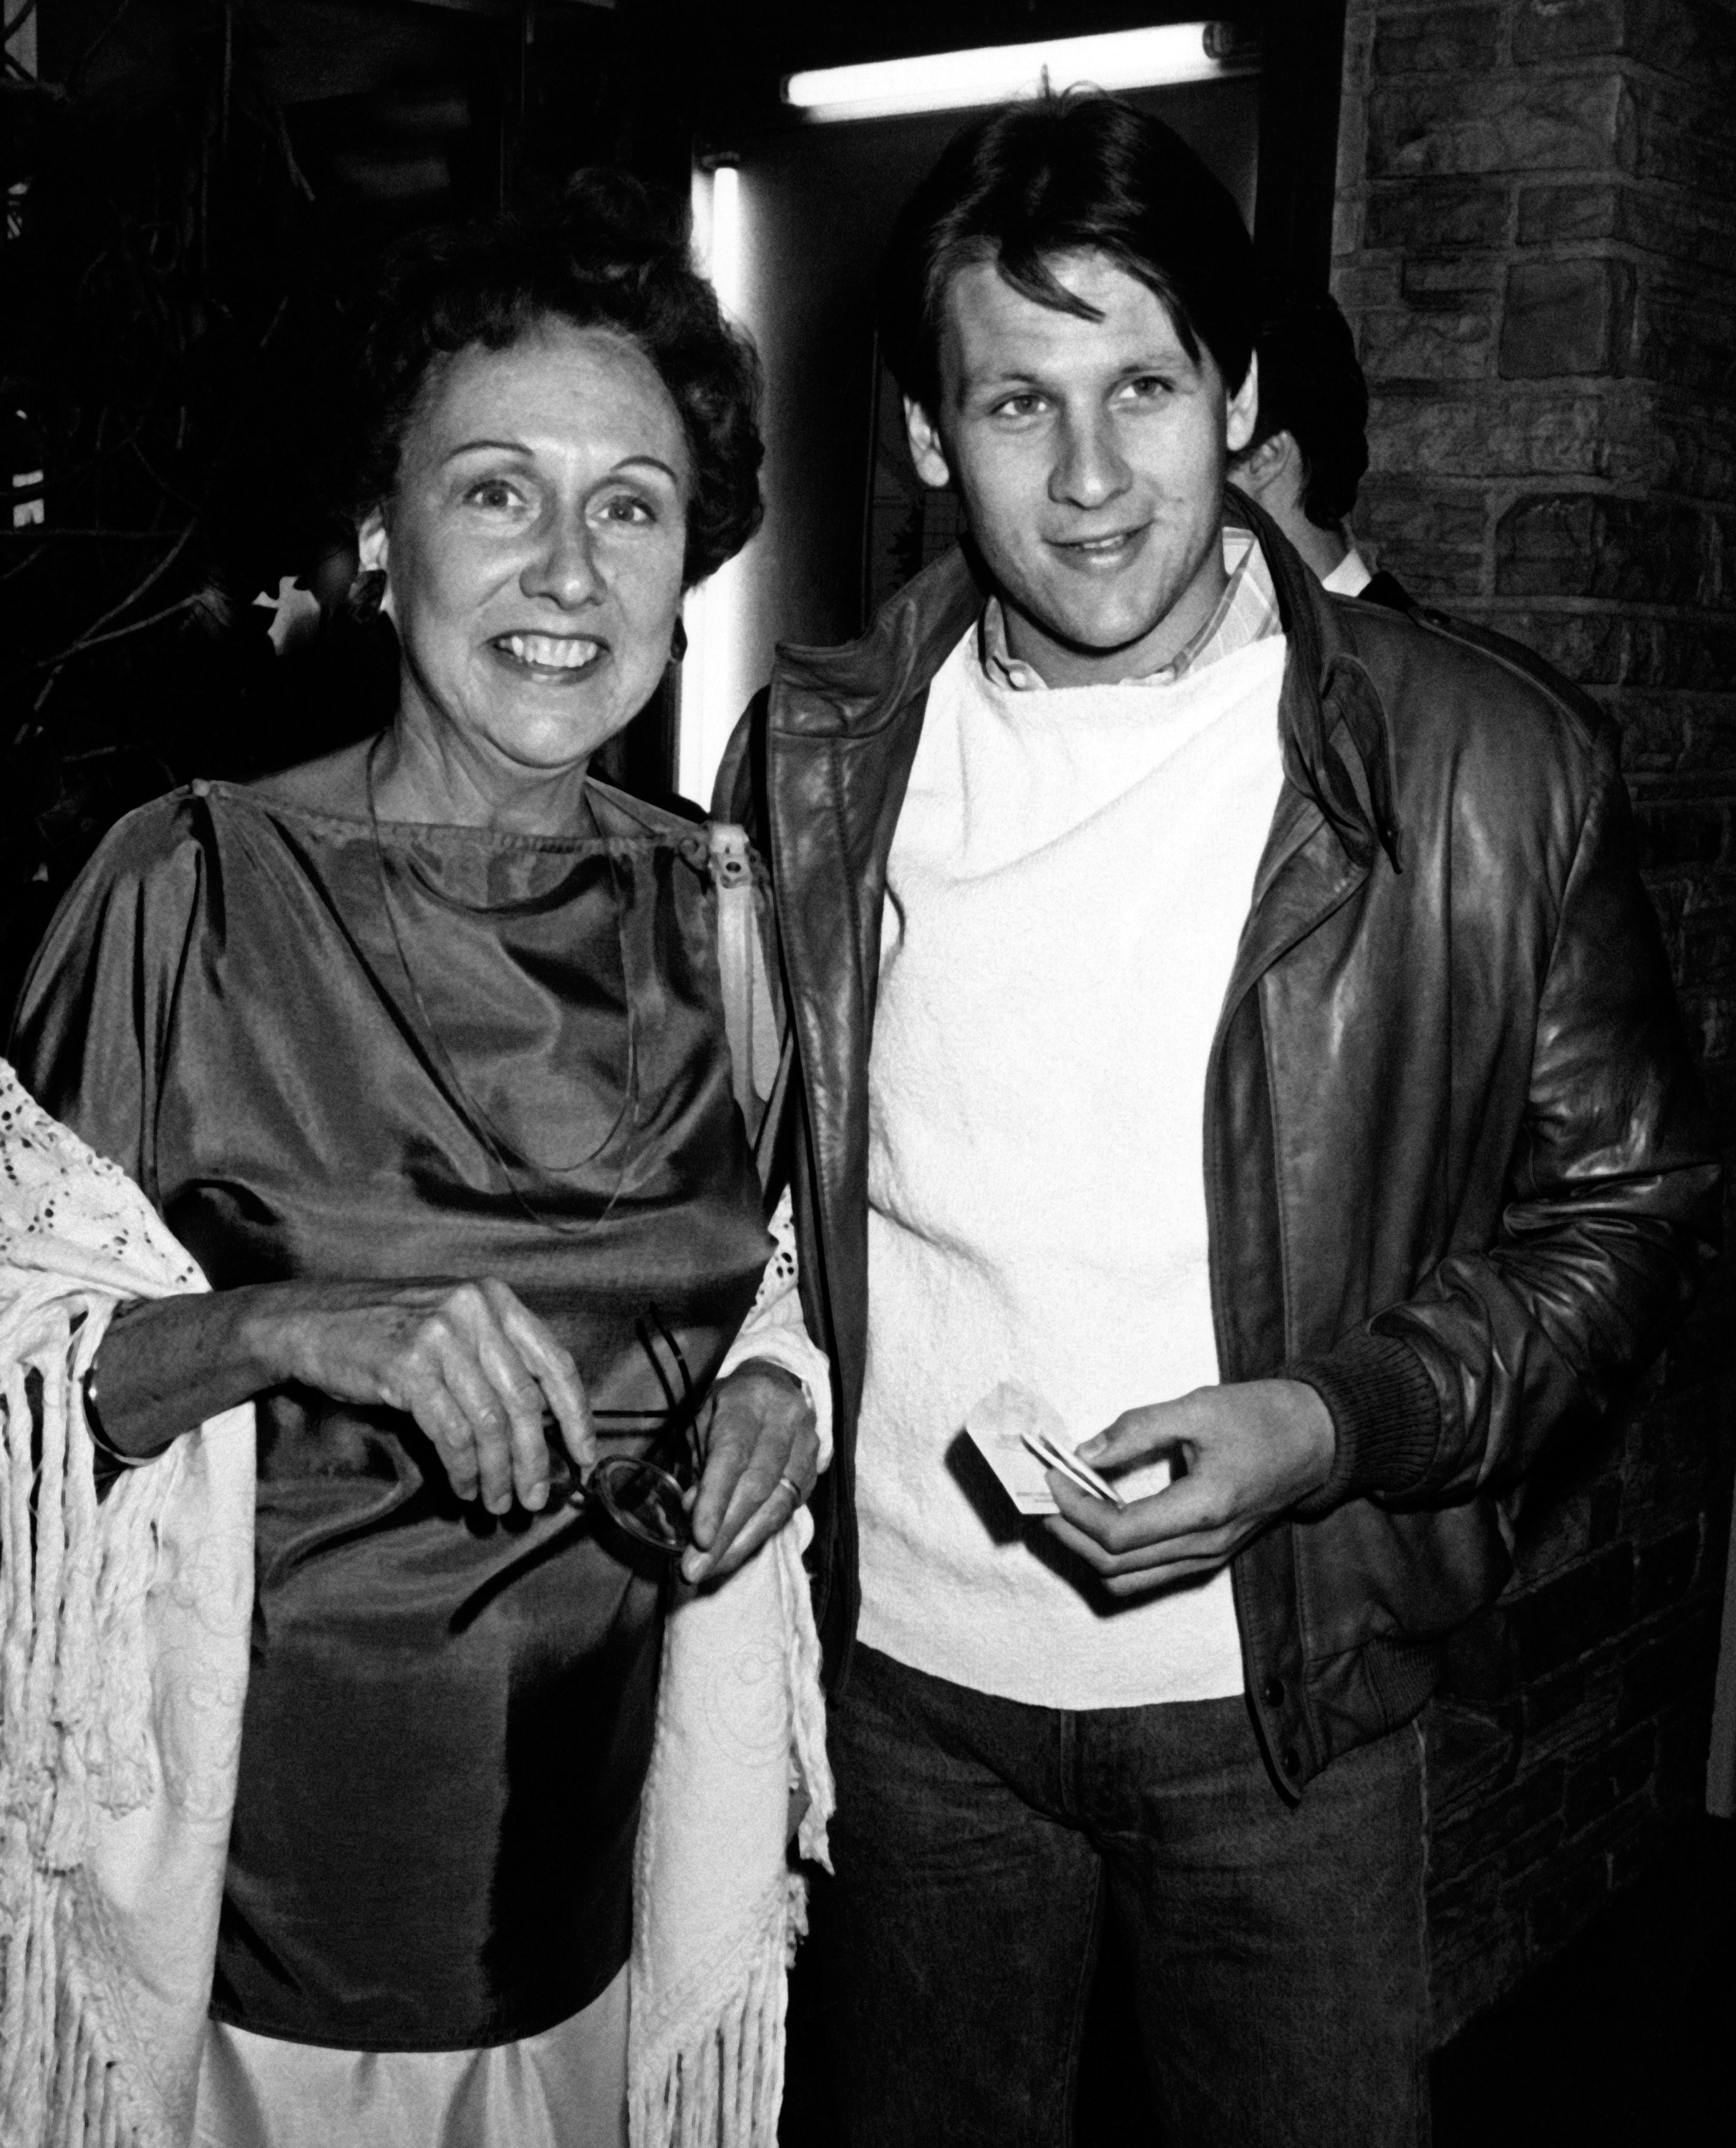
(1536,245)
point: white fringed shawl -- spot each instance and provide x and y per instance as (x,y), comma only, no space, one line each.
(123,1640)
(123,1670)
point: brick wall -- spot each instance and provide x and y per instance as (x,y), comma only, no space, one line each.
(1536,244)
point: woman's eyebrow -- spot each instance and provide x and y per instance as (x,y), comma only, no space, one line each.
(471,447)
(649,462)
(523,448)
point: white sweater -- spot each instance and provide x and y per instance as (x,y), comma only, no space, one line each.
(1067,888)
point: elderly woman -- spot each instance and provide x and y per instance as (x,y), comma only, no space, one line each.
(419,1050)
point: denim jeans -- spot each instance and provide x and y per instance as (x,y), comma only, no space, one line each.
(1276,1954)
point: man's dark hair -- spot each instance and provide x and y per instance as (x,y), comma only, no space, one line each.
(1080,173)
(612,255)
(1312,387)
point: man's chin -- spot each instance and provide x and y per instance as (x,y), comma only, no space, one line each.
(1094,639)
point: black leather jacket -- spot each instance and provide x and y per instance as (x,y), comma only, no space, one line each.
(1458,1170)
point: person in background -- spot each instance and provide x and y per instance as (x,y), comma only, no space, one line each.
(1230,1030)
(1310,448)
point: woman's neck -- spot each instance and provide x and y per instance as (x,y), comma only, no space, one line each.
(419,775)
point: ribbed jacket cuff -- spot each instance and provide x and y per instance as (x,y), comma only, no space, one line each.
(1385,1413)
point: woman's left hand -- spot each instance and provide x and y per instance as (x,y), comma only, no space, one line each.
(762,1457)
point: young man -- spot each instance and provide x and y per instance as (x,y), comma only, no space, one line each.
(1232,1014)
(1310,446)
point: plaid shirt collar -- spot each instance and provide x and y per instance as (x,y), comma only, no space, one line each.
(1246,612)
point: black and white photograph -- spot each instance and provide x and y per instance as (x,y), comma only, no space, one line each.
(867,1074)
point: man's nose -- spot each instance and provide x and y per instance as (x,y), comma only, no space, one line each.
(564,564)
(1089,470)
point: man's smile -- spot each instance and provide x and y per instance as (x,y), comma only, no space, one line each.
(1109,550)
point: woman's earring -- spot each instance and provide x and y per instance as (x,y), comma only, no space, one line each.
(367,593)
(678,643)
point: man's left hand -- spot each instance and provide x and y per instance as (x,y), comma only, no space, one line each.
(1252,1450)
(762,1456)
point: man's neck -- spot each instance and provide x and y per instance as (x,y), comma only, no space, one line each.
(1059,663)
(1321,550)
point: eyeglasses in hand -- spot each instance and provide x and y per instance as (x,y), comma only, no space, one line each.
(641,1497)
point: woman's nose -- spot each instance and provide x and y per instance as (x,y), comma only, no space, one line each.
(563,565)
(1090,468)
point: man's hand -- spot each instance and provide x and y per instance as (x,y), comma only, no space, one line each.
(1252,1451)
(761,1458)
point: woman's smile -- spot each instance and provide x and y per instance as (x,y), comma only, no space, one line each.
(563,658)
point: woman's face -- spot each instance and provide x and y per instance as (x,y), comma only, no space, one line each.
(534,548)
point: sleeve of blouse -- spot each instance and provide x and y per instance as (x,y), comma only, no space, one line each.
(776,1331)
(92,1026)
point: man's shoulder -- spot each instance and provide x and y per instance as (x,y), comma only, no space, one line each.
(1454,688)
(859,682)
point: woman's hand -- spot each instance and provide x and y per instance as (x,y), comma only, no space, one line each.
(475,1368)
(762,1457)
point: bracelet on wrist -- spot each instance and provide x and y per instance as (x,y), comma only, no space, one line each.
(98,1437)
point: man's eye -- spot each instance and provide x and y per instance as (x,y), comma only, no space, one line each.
(1147,388)
(1019,406)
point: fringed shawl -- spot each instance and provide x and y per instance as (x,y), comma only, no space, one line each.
(123,1640)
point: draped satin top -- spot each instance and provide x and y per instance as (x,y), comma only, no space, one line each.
(328,1051)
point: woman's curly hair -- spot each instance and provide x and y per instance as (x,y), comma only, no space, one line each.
(612,255)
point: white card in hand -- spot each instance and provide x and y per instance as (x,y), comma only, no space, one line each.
(1010,1426)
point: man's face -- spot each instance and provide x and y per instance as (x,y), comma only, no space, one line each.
(1090,455)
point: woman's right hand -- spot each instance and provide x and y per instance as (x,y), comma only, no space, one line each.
(469,1361)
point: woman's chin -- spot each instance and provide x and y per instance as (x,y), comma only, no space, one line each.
(552,746)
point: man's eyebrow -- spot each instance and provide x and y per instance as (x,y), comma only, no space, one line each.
(1000,376)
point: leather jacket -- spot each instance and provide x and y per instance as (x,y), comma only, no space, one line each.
(1459,1173)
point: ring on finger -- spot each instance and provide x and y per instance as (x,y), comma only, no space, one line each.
(797,1496)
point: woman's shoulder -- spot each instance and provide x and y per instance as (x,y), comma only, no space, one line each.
(335,783)
(623,812)
(156,838)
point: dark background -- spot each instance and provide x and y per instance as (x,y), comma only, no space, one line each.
(1527,210)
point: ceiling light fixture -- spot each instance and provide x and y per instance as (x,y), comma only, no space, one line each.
(991,74)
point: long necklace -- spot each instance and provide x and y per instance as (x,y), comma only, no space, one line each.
(481,1126)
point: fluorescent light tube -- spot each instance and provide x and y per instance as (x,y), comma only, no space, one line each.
(715,680)
(992,74)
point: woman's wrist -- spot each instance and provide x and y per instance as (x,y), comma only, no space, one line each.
(168,1364)
(124,1456)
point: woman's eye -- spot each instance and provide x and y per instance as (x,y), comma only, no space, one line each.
(629,508)
(492,492)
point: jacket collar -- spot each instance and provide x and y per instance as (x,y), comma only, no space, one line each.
(857,690)
(859,687)
(1328,702)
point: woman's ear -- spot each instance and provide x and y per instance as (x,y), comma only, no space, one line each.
(371,542)
(928,451)
(373,552)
